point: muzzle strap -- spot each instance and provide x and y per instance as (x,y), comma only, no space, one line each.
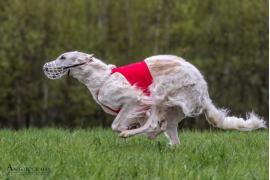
(75,65)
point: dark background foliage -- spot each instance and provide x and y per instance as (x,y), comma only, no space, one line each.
(227,40)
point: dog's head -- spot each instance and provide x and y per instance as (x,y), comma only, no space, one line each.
(65,63)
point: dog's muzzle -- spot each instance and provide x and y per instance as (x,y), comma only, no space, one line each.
(52,71)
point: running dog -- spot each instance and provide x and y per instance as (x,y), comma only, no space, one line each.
(156,93)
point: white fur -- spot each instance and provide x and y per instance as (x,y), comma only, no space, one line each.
(178,91)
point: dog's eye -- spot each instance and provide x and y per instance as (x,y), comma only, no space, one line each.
(62,57)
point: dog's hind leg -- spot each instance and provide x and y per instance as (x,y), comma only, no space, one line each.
(152,133)
(174,116)
(172,134)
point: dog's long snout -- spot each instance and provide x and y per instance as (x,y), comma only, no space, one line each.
(52,71)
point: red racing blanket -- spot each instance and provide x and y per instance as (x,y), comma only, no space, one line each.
(137,74)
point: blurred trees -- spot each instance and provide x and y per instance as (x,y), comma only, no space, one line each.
(226,40)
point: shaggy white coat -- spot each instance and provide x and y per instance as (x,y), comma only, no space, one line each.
(178,91)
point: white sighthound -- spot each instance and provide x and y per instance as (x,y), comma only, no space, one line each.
(178,90)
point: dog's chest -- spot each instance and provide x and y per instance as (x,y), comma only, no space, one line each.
(114,93)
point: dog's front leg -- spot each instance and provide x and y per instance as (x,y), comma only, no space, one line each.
(131,115)
(119,124)
(155,124)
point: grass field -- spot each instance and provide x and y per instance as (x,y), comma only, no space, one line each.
(100,154)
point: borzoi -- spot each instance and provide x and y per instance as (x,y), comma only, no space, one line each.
(156,93)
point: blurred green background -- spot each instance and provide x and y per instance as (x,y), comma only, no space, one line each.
(226,40)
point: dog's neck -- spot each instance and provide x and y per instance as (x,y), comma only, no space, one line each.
(93,76)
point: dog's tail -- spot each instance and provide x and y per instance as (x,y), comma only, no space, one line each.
(218,118)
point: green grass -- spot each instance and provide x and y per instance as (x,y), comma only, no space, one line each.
(100,154)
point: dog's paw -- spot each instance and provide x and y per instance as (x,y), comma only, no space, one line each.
(124,134)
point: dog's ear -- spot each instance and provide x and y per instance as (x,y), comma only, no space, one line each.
(90,57)
(84,58)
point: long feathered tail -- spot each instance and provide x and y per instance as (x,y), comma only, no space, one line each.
(218,117)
